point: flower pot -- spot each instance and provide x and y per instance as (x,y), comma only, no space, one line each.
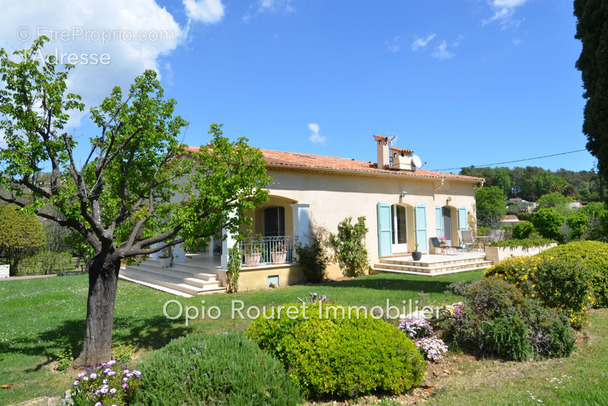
(416,255)
(165,262)
(253,259)
(279,257)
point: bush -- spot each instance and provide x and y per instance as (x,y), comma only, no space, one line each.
(558,283)
(525,244)
(220,369)
(495,319)
(341,356)
(313,259)
(594,255)
(349,247)
(547,222)
(524,216)
(46,263)
(579,223)
(522,230)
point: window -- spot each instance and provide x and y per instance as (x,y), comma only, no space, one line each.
(274,221)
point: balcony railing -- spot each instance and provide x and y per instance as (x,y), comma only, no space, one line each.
(268,250)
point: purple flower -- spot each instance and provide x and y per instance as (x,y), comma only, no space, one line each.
(125,379)
(111,362)
(105,381)
(111,373)
(93,375)
(98,404)
(80,375)
(125,385)
(113,390)
(76,382)
(136,373)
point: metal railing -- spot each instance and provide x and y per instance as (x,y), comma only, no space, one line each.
(268,250)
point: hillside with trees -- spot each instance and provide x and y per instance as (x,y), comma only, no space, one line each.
(532,182)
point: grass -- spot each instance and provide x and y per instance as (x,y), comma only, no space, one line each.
(42,318)
(39,319)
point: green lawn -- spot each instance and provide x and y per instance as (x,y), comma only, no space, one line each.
(41,318)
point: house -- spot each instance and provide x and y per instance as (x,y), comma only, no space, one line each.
(403,205)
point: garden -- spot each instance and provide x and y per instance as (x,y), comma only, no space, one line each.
(525,331)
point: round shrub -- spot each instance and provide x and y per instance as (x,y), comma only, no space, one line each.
(221,369)
(594,255)
(328,354)
(557,283)
(495,319)
(547,221)
(522,230)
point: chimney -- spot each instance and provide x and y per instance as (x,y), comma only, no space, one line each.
(383,152)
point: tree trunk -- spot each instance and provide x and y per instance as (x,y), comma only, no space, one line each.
(103,279)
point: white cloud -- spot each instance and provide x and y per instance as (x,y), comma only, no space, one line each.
(206,11)
(393,45)
(271,6)
(422,42)
(443,51)
(315,137)
(503,12)
(134,36)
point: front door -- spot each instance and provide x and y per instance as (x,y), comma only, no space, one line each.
(447,222)
(399,215)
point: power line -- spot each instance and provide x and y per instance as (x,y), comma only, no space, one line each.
(510,162)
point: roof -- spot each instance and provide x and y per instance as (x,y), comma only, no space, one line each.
(295,160)
(510,218)
(402,150)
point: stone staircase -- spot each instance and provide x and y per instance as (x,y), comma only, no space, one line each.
(433,264)
(184,279)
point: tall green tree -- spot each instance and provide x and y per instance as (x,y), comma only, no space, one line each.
(21,234)
(491,207)
(592,30)
(137,191)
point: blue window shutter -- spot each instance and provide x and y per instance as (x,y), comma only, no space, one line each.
(439,222)
(385,230)
(462,219)
(421,237)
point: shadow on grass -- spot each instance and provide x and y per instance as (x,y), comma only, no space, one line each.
(151,333)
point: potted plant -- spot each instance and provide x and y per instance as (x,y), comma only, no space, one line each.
(253,251)
(416,255)
(278,253)
(166,258)
(442,241)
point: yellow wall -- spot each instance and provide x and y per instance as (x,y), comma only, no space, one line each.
(333,197)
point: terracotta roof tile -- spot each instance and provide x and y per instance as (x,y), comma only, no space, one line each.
(405,151)
(284,159)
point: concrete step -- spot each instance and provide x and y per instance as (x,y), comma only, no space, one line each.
(173,272)
(425,264)
(189,286)
(438,267)
(191,270)
(411,272)
(153,285)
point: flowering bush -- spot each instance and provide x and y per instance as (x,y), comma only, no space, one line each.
(110,383)
(559,283)
(442,240)
(421,331)
(416,327)
(432,348)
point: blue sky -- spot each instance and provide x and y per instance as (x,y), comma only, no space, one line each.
(461,82)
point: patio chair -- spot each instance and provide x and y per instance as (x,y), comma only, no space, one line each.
(466,239)
(445,249)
